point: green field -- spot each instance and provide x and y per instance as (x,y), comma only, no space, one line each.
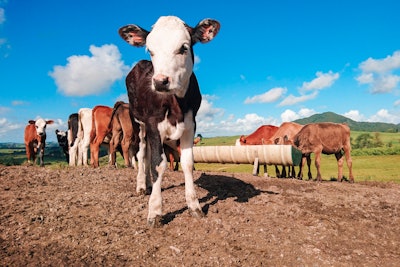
(369,164)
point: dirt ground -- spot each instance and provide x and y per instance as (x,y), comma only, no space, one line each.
(82,216)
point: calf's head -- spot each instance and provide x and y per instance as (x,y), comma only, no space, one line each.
(170,44)
(40,125)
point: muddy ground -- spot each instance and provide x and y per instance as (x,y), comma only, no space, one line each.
(83,216)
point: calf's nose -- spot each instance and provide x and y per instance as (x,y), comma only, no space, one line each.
(161,82)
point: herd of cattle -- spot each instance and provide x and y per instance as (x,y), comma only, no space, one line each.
(164,98)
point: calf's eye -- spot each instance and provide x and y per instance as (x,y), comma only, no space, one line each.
(183,50)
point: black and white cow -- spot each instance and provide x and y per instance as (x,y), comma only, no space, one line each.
(63,142)
(164,98)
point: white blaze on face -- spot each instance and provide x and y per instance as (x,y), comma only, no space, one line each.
(40,125)
(169,44)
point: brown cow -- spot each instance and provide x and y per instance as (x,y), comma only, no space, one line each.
(101,116)
(284,136)
(172,150)
(124,133)
(35,138)
(261,136)
(328,138)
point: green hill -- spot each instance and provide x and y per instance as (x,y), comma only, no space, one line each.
(354,125)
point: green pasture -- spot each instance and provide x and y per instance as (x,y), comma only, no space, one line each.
(369,164)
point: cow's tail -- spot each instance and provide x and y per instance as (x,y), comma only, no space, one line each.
(80,128)
(116,106)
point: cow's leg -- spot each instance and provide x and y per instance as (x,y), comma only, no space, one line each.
(187,164)
(41,155)
(157,168)
(141,176)
(126,144)
(308,158)
(349,162)
(73,151)
(113,148)
(28,152)
(318,165)
(301,166)
(339,158)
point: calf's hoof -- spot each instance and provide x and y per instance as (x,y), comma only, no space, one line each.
(141,192)
(154,222)
(197,213)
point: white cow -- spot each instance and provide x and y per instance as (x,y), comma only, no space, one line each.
(83,138)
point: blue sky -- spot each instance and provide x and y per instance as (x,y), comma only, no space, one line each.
(272,61)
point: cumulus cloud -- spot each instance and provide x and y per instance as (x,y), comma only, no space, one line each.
(207,111)
(322,81)
(354,115)
(8,129)
(90,75)
(290,115)
(383,115)
(291,99)
(379,73)
(270,96)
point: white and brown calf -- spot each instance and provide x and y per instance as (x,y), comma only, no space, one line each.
(35,139)
(164,98)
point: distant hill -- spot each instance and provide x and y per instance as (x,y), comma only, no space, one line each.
(354,125)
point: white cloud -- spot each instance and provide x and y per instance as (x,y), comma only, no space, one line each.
(270,96)
(290,115)
(396,103)
(291,99)
(207,111)
(383,115)
(10,130)
(354,115)
(322,81)
(87,75)
(378,73)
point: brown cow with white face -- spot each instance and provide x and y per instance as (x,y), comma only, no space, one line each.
(327,138)
(164,98)
(35,138)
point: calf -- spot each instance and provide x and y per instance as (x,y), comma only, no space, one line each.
(164,97)
(284,136)
(327,138)
(100,133)
(62,140)
(73,142)
(83,137)
(35,138)
(261,136)
(124,133)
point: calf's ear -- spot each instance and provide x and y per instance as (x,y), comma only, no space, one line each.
(31,122)
(49,122)
(205,31)
(134,35)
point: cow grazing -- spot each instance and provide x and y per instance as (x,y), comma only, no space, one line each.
(83,136)
(164,97)
(124,133)
(62,140)
(100,133)
(35,138)
(261,136)
(327,138)
(284,136)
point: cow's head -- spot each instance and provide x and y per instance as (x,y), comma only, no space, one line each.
(170,43)
(62,138)
(40,125)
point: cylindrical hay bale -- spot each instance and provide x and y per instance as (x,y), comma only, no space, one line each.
(266,154)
